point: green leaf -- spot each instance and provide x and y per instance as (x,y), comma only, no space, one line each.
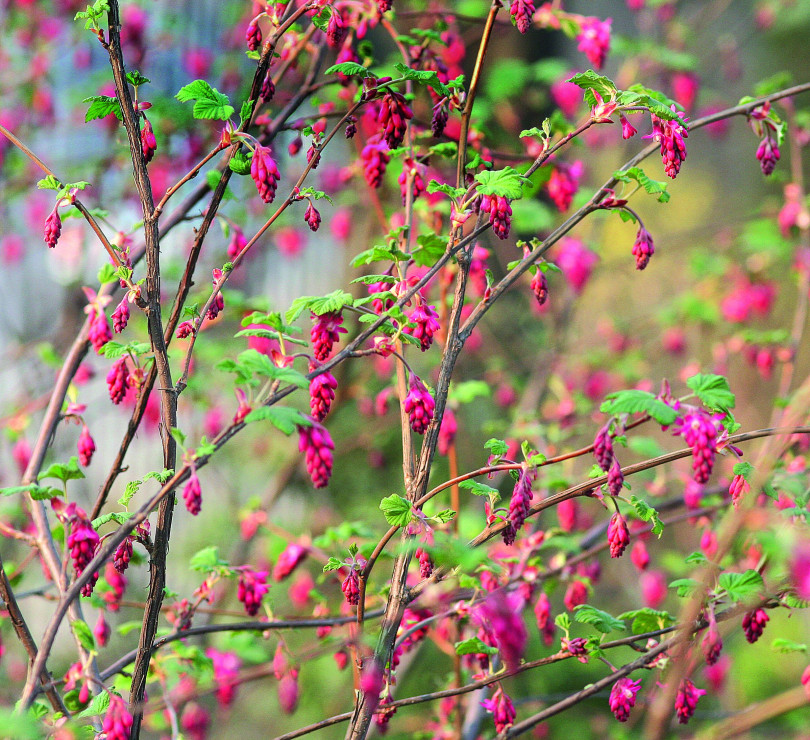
(431,247)
(713,390)
(162,477)
(423,77)
(20,726)
(496,447)
(130,490)
(239,163)
(330,303)
(64,472)
(349,69)
(792,601)
(321,20)
(590,82)
(696,558)
(744,469)
(107,274)
(84,635)
(646,513)
(563,621)
(506,183)
(37,493)
(283,418)
(444,516)
(210,103)
(136,79)
(246,111)
(648,620)
(474,646)
(654,100)
(207,560)
(602,621)
(741,586)
(397,510)
(98,705)
(373,279)
(179,436)
(49,183)
(101,106)
(119,517)
(782,645)
(638,402)
(333,564)
(652,187)
(686,586)
(479,489)
(468,390)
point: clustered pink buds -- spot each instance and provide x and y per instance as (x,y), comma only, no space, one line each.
(351,587)
(86,446)
(226,675)
(375,158)
(594,40)
(447,431)
(738,488)
(623,698)
(643,248)
(686,700)
(317,445)
(615,479)
(265,173)
(118,380)
(122,555)
(618,535)
(419,405)
(393,117)
(699,432)
(120,317)
(603,448)
(563,184)
(425,562)
(500,214)
(501,616)
(502,710)
(325,332)
(117,723)
(639,555)
(518,506)
(53,228)
(312,217)
(427,323)
(237,242)
(253,35)
(99,331)
(539,287)
(670,134)
(251,589)
(753,624)
(148,142)
(712,644)
(413,172)
(335,29)
(290,558)
(522,12)
(321,393)
(192,494)
(768,154)
(268,87)
(184,329)
(82,542)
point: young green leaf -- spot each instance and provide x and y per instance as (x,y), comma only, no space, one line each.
(638,402)
(713,390)
(474,646)
(283,418)
(207,560)
(333,564)
(64,472)
(479,489)
(349,69)
(101,106)
(506,183)
(741,586)
(210,104)
(652,187)
(397,510)
(84,635)
(602,621)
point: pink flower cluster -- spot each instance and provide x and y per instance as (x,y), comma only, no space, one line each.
(251,589)
(419,405)
(522,12)
(427,323)
(325,332)
(594,40)
(265,173)
(321,393)
(670,135)
(699,431)
(314,441)
(500,214)
(623,698)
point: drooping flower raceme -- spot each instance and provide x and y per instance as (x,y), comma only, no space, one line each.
(500,614)
(419,405)
(321,393)
(265,173)
(686,700)
(314,441)
(522,12)
(594,40)
(670,135)
(427,323)
(251,589)
(699,431)
(500,214)
(618,535)
(643,248)
(325,332)
(518,506)
(623,698)
(501,708)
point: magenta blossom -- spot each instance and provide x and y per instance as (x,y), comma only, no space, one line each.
(576,262)
(500,615)
(251,589)
(501,708)
(594,40)
(623,698)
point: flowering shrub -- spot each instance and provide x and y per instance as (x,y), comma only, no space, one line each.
(375,229)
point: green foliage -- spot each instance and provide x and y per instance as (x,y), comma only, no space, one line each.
(397,510)
(101,106)
(209,103)
(208,560)
(652,187)
(634,401)
(713,391)
(349,69)
(741,586)
(591,82)
(283,418)
(646,513)
(319,305)
(506,183)
(474,646)
(37,493)
(84,635)
(63,471)
(601,620)
(648,620)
